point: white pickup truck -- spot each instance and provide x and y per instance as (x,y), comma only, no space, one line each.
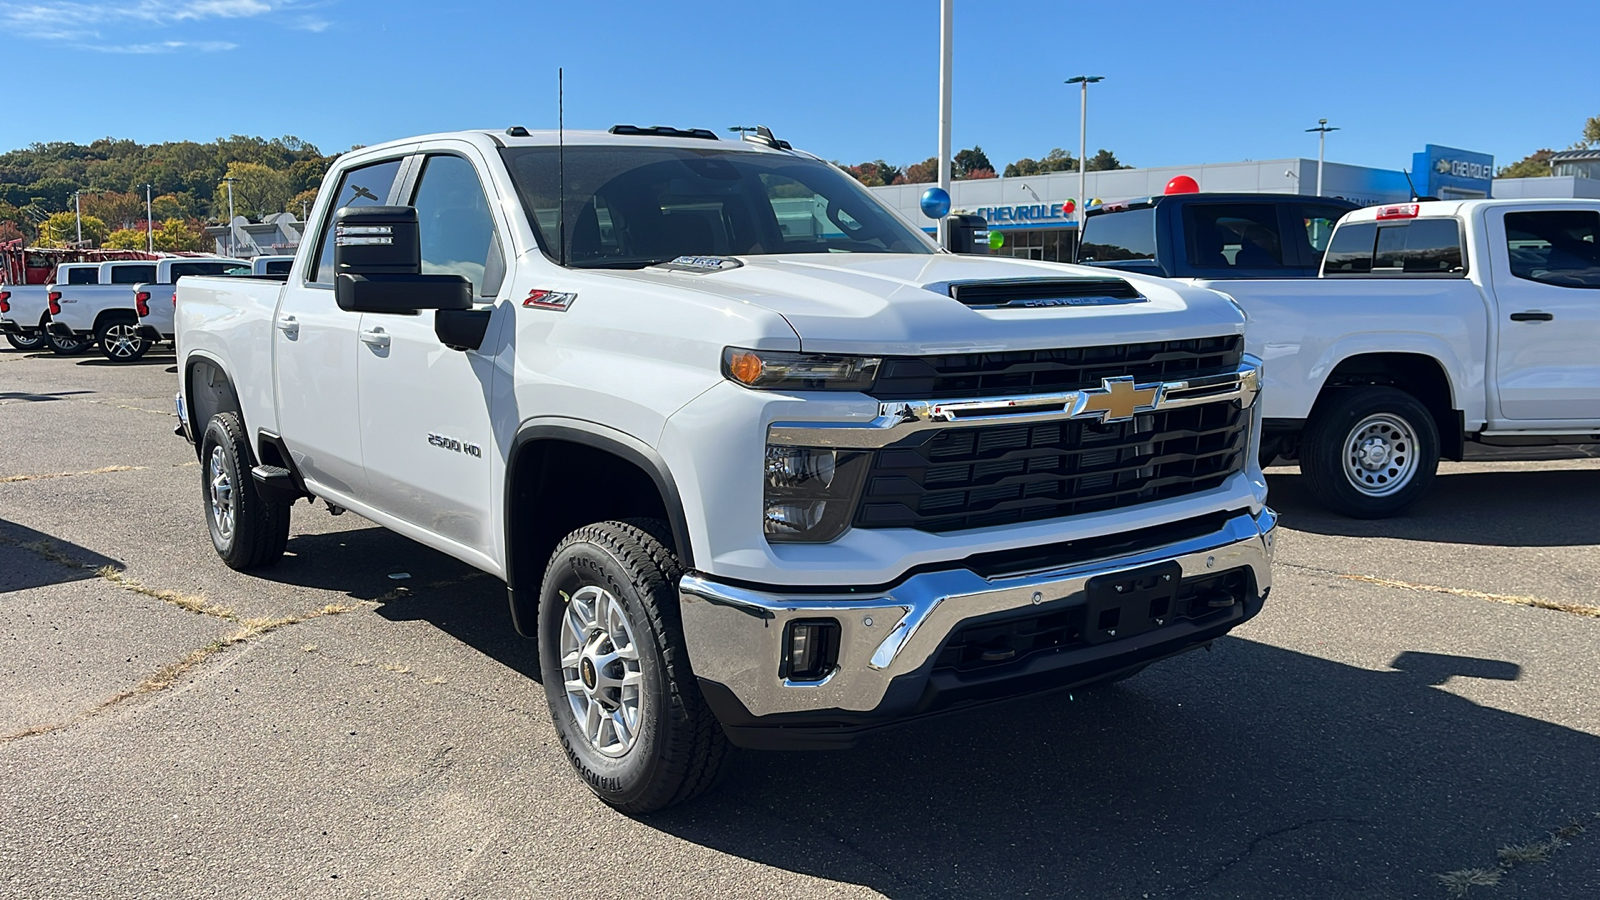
(1434,326)
(745,481)
(25,309)
(107,313)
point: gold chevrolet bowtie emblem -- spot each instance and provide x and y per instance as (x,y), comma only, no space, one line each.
(1118,399)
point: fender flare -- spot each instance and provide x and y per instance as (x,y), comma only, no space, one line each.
(599,437)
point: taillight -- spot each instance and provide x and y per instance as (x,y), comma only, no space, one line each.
(55,303)
(4,306)
(174,299)
(141,302)
(1400,211)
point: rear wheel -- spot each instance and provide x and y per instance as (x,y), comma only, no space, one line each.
(121,341)
(64,345)
(616,674)
(1370,452)
(249,529)
(33,341)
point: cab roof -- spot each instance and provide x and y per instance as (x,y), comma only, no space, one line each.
(1434,209)
(490,140)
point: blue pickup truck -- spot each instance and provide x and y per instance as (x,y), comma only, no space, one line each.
(1212,235)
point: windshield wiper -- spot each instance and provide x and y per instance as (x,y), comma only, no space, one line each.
(638,263)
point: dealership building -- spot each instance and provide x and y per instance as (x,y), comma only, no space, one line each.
(1031,212)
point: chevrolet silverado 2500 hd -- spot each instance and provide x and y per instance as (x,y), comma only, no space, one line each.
(758,462)
(1433,327)
(108,313)
(25,309)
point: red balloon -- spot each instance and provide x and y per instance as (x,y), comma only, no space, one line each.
(1068,207)
(1183,184)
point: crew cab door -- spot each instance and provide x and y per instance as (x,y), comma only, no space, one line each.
(315,350)
(1545,266)
(425,428)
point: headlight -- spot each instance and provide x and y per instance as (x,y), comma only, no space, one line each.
(810,492)
(770,370)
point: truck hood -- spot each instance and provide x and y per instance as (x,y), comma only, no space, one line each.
(900,304)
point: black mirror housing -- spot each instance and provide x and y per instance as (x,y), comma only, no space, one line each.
(969,234)
(377,256)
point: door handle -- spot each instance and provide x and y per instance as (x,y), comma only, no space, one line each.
(1534,316)
(376,337)
(289,325)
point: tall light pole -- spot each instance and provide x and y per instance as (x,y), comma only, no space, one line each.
(1322,130)
(149,227)
(229,182)
(947,44)
(1083,82)
(77,213)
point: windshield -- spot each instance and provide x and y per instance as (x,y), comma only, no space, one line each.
(630,207)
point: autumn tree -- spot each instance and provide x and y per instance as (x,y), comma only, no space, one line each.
(125,239)
(257,191)
(61,230)
(11,231)
(1057,160)
(971,160)
(925,172)
(176,236)
(875,174)
(1104,161)
(113,207)
(1534,165)
(300,204)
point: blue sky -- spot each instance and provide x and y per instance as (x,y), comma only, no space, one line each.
(1186,82)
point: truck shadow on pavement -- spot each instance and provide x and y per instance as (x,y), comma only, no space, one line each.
(1534,508)
(1252,771)
(30,559)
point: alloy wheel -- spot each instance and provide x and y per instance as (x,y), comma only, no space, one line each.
(601,671)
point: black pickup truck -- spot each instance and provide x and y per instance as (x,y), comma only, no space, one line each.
(1212,235)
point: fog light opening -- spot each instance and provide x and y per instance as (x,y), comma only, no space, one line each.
(810,649)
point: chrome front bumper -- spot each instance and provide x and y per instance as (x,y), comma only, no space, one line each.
(734,635)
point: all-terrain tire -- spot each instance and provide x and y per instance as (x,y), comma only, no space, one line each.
(1369,452)
(679,747)
(120,340)
(249,529)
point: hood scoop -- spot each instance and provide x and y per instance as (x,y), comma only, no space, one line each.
(1041,293)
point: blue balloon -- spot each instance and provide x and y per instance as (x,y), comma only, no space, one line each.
(935,203)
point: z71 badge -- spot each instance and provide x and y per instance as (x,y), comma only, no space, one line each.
(449,443)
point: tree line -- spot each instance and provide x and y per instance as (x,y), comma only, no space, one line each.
(1537,164)
(973,163)
(189,188)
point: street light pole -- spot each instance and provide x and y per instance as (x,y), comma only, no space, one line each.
(149,227)
(1083,81)
(947,20)
(77,213)
(1322,130)
(229,182)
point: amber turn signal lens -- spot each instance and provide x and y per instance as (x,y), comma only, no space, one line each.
(745,367)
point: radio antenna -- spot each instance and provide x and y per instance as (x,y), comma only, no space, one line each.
(1409,183)
(561,163)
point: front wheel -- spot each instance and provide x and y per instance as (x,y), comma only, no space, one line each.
(248,529)
(34,341)
(66,345)
(616,674)
(121,341)
(1370,452)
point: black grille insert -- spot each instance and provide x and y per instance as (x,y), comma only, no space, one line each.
(958,478)
(966,375)
(1010,639)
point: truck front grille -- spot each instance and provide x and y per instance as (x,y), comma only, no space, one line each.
(957,376)
(955,478)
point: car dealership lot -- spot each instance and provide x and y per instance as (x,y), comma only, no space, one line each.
(170,727)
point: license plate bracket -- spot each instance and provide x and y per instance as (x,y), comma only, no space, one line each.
(1124,604)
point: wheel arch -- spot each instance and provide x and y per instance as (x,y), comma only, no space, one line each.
(209,390)
(113,315)
(550,462)
(1418,374)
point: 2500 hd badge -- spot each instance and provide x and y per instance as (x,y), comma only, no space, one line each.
(450,443)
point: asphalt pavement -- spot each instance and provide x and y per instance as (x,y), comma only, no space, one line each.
(1414,714)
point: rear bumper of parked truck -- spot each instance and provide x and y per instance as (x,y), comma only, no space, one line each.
(952,638)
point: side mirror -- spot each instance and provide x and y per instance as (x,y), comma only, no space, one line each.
(377,259)
(965,231)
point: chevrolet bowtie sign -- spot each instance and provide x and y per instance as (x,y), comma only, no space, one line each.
(1118,399)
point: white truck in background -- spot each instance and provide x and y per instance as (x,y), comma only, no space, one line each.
(108,313)
(749,484)
(25,309)
(1434,326)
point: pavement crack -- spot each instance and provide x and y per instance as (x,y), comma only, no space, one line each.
(1256,842)
(1577,609)
(170,674)
(103,470)
(1460,882)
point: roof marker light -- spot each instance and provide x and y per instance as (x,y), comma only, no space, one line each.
(1399,211)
